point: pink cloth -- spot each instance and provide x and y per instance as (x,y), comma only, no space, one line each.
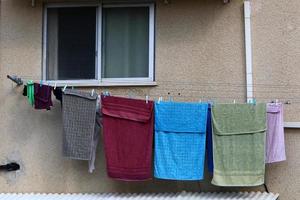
(275,148)
(128,137)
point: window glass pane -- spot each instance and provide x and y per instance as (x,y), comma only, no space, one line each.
(71,43)
(125,38)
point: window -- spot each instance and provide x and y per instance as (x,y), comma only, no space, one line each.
(99,44)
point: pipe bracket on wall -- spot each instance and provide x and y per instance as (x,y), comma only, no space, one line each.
(15,79)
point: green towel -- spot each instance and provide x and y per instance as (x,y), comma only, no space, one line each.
(30,92)
(239,132)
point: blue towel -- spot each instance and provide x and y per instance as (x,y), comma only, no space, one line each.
(179,140)
(209,143)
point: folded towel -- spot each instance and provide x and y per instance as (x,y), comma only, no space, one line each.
(179,140)
(275,148)
(128,137)
(79,114)
(239,132)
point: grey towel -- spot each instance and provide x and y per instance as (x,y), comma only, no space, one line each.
(98,126)
(79,114)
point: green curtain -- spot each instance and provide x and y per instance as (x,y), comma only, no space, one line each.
(125,38)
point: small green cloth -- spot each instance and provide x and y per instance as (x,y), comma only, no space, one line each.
(30,92)
(239,132)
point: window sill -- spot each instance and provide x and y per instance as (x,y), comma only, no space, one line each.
(93,83)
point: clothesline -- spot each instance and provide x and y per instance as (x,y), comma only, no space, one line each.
(187,91)
(26,78)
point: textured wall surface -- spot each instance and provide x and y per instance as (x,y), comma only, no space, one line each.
(276,58)
(199,55)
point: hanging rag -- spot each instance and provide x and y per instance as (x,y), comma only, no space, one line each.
(179,140)
(275,148)
(128,137)
(25,91)
(95,141)
(209,142)
(42,96)
(58,94)
(79,114)
(30,92)
(98,128)
(239,132)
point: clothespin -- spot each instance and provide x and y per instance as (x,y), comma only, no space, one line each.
(252,101)
(55,85)
(234,101)
(147,98)
(65,88)
(276,101)
(92,92)
(200,100)
(160,99)
(105,93)
(41,83)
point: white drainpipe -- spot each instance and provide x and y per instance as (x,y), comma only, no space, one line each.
(248,49)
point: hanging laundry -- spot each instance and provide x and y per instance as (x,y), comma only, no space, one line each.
(275,148)
(98,128)
(209,142)
(95,141)
(179,140)
(30,92)
(239,132)
(25,91)
(79,114)
(58,94)
(128,137)
(42,96)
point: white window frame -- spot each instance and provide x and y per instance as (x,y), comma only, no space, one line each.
(99,81)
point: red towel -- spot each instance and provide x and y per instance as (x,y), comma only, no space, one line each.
(128,137)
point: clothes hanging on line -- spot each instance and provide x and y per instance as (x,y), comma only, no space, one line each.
(239,132)
(79,114)
(95,141)
(30,92)
(128,137)
(275,147)
(209,142)
(25,91)
(179,140)
(58,94)
(42,96)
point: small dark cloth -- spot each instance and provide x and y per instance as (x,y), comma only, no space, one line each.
(42,96)
(25,91)
(58,94)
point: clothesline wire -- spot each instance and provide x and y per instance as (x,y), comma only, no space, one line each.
(192,83)
(216,99)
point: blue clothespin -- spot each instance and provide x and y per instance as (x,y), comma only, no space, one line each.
(41,83)
(252,101)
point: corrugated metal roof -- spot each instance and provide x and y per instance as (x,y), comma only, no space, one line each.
(135,196)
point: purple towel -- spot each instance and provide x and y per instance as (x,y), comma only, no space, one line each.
(42,96)
(275,148)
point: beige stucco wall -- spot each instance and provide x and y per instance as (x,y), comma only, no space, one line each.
(199,54)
